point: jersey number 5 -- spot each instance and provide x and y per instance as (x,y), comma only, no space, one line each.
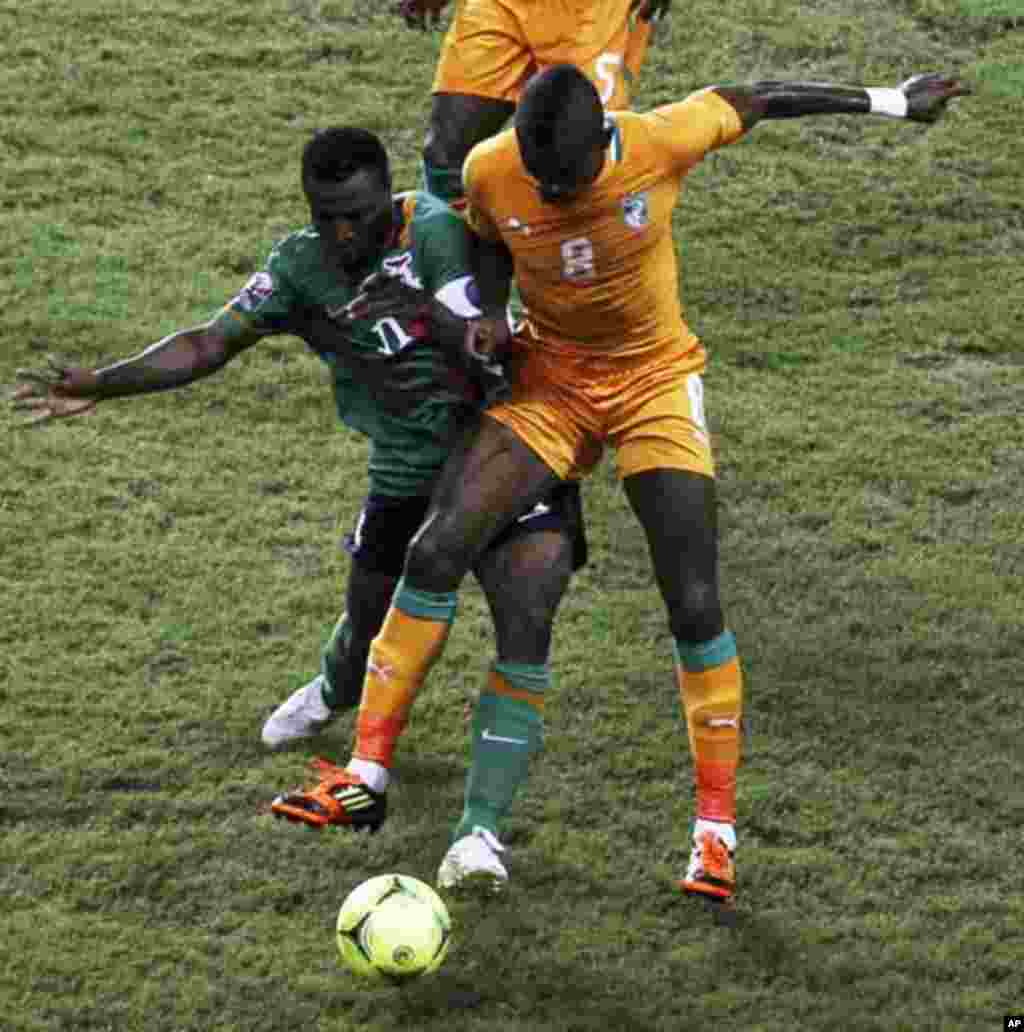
(606,70)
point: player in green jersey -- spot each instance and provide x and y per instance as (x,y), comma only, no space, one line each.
(402,381)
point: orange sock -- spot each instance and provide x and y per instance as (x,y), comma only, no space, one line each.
(711,691)
(400,657)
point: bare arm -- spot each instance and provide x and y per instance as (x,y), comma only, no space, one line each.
(487,338)
(493,268)
(179,359)
(175,361)
(922,98)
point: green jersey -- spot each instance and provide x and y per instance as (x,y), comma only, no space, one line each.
(392,381)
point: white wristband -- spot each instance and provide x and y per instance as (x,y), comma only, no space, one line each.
(890,102)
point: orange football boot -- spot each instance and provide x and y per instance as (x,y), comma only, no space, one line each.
(712,872)
(339,797)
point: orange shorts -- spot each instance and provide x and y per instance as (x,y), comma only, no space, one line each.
(493,46)
(569,403)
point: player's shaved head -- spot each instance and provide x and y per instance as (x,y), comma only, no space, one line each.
(559,123)
(347,182)
(334,155)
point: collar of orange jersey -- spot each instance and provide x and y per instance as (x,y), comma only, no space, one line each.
(614,151)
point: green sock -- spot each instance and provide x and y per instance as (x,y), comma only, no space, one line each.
(508,730)
(329,662)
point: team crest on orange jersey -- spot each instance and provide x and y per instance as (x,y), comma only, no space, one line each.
(634,210)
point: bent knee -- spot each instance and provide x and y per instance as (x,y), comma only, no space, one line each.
(697,615)
(437,561)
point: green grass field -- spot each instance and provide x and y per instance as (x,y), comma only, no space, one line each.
(170,564)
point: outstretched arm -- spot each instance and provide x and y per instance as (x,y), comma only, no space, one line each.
(61,391)
(922,98)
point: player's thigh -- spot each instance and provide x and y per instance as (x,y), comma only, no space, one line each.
(489,479)
(678,511)
(484,52)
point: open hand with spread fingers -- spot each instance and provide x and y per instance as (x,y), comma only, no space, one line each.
(57,392)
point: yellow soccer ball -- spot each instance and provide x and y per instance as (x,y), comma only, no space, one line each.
(393,927)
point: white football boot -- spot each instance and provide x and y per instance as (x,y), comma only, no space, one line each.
(472,864)
(302,715)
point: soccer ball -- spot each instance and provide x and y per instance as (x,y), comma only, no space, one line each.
(393,926)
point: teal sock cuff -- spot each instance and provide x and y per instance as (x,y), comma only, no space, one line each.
(426,605)
(706,654)
(500,713)
(445,183)
(527,677)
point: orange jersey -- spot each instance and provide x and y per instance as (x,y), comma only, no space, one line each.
(493,46)
(600,273)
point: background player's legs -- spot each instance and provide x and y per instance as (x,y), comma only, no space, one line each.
(458,121)
(678,511)
(344,656)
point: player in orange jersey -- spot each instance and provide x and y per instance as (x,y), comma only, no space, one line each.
(493,47)
(578,203)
